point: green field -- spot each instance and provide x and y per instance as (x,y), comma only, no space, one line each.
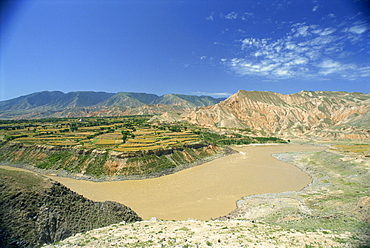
(116,133)
(121,134)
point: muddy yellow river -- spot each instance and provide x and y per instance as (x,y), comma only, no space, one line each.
(203,192)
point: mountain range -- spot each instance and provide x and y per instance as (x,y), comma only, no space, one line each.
(324,114)
(88,103)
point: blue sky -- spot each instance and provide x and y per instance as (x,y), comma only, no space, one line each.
(205,47)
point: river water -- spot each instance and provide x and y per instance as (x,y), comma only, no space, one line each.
(202,192)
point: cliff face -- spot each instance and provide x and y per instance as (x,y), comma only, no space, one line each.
(101,163)
(35,210)
(331,115)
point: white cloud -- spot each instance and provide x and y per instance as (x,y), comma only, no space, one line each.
(329,66)
(364,71)
(302,31)
(300,61)
(283,72)
(219,94)
(231,16)
(328,63)
(321,41)
(327,31)
(247,15)
(307,51)
(315,8)
(210,18)
(357,29)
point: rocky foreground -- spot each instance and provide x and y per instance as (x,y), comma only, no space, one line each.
(333,211)
(35,210)
(195,233)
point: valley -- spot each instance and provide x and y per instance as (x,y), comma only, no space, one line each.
(177,157)
(332,211)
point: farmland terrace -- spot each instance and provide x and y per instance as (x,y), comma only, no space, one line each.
(113,148)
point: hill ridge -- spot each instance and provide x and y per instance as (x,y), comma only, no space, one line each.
(55,103)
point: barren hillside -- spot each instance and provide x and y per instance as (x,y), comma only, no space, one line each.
(331,115)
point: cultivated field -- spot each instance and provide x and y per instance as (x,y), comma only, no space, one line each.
(122,134)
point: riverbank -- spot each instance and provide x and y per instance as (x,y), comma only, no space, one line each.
(337,199)
(225,151)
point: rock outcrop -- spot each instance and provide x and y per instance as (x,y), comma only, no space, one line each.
(331,115)
(35,210)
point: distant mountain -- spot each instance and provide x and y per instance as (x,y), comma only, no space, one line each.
(89,103)
(188,101)
(126,99)
(79,99)
(310,114)
(54,100)
(30,101)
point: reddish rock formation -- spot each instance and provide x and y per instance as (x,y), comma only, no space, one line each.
(331,115)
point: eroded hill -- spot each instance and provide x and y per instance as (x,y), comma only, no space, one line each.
(328,115)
